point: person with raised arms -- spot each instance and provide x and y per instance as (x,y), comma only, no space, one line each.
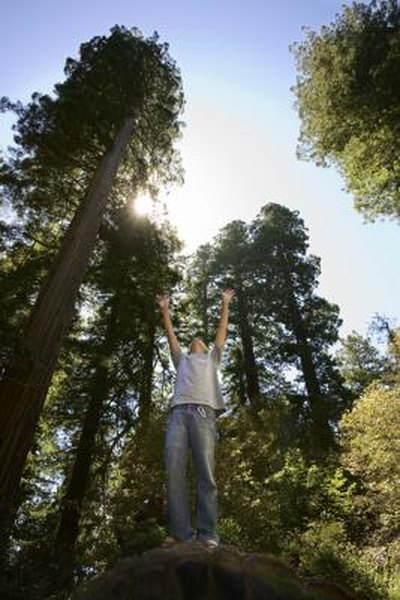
(191,427)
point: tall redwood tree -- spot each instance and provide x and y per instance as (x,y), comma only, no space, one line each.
(118,108)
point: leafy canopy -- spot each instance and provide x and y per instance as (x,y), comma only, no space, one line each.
(348,91)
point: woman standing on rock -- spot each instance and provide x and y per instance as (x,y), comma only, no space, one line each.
(192,426)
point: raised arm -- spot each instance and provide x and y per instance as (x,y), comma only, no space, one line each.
(163,302)
(226,297)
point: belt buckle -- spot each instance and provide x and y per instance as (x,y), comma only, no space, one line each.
(202,411)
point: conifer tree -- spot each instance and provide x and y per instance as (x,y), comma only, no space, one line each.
(118,106)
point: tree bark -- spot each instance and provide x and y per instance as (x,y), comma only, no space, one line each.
(27,378)
(305,354)
(321,434)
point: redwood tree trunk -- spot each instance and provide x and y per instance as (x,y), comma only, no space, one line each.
(306,358)
(321,434)
(26,380)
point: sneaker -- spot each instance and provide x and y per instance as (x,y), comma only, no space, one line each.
(209,543)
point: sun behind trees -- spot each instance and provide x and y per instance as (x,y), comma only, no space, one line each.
(117,112)
(302,471)
(95,484)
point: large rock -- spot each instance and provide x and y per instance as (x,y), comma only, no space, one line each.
(190,572)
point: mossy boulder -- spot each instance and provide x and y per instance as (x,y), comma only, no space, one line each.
(191,572)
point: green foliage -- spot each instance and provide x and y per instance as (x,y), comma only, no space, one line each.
(360,363)
(133,264)
(347,94)
(371,450)
(331,519)
(337,518)
(230,532)
(289,277)
(23,264)
(323,550)
(115,77)
(61,138)
(138,500)
(277,310)
(281,331)
(279,490)
(143,536)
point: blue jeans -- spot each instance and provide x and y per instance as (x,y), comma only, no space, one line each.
(191,427)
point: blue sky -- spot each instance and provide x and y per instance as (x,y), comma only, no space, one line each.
(239,143)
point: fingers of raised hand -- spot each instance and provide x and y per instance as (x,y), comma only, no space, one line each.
(163,300)
(228,294)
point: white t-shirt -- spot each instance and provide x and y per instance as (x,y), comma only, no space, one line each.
(197,379)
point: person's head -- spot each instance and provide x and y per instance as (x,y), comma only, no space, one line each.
(197,346)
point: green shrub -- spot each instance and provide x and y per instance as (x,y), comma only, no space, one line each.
(323,550)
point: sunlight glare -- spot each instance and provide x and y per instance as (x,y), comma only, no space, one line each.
(143,205)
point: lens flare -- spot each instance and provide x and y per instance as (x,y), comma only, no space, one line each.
(143,205)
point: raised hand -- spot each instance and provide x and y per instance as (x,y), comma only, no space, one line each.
(227,295)
(163,302)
